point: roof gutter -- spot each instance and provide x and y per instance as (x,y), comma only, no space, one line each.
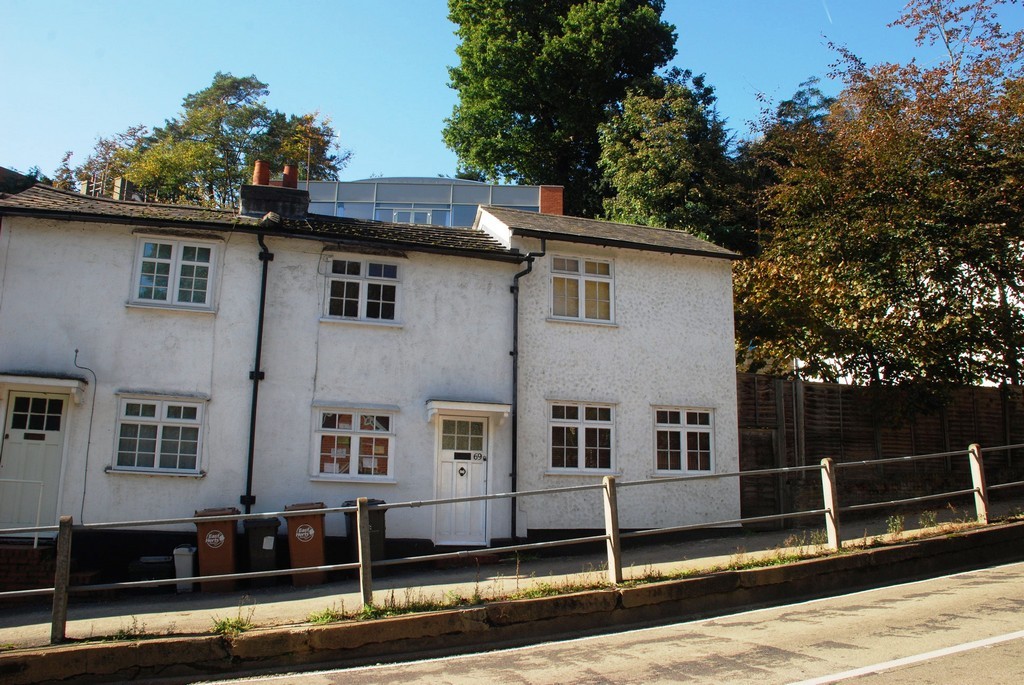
(611,242)
(514,475)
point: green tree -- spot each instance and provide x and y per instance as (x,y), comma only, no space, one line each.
(108,160)
(204,155)
(666,157)
(897,245)
(535,80)
(64,175)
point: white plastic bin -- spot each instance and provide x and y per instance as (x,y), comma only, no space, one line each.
(184,565)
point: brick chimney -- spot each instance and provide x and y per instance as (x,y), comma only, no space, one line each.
(551,200)
(291,176)
(261,197)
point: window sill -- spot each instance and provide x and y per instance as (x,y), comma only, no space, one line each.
(584,322)
(362,322)
(331,478)
(112,471)
(681,474)
(170,307)
(594,473)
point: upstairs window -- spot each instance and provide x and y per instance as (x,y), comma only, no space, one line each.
(173,272)
(683,441)
(159,435)
(354,443)
(581,289)
(581,437)
(362,290)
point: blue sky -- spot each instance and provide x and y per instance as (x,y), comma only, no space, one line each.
(73,70)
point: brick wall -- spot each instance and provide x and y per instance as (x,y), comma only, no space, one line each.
(23,567)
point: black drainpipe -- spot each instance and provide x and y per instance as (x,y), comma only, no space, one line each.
(256,375)
(515,373)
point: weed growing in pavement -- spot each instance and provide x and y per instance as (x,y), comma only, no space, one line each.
(328,615)
(232,626)
(928,519)
(894,525)
(135,631)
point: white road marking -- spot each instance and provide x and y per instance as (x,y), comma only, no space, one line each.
(917,658)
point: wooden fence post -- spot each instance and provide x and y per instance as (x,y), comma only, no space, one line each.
(831,502)
(365,560)
(61,578)
(978,480)
(611,527)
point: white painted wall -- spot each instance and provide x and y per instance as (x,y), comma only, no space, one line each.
(671,344)
(64,286)
(453,344)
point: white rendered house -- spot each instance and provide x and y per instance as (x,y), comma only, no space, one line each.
(156,360)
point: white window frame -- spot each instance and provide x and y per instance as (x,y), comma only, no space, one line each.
(585,418)
(684,424)
(364,425)
(169,415)
(582,274)
(372,273)
(177,268)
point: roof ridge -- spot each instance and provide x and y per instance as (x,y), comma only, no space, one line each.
(109,200)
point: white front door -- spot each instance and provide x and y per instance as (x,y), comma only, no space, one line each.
(30,458)
(461,472)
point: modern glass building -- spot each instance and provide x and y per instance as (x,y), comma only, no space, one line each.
(434,201)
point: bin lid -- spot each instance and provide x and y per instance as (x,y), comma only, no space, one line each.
(371,502)
(223,511)
(306,505)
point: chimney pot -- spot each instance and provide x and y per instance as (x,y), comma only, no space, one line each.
(261,173)
(291,176)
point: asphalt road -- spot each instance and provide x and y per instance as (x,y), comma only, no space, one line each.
(964,628)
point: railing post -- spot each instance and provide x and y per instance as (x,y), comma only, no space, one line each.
(365,561)
(978,479)
(61,578)
(611,527)
(831,502)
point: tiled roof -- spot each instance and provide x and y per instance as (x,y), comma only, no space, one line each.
(400,235)
(593,231)
(46,202)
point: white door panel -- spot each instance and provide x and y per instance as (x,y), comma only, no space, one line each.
(462,472)
(30,458)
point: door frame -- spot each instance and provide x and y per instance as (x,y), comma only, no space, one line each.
(72,390)
(495,414)
(485,504)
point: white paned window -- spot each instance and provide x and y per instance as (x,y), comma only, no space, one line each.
(581,289)
(173,272)
(355,443)
(581,436)
(362,290)
(683,440)
(160,435)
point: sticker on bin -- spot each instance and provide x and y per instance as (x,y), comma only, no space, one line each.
(214,539)
(305,533)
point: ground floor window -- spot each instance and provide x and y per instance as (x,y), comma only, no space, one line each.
(683,440)
(581,436)
(355,443)
(161,435)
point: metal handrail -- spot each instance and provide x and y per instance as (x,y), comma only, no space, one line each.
(909,500)
(609,537)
